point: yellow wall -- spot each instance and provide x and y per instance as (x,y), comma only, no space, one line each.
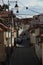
(15,34)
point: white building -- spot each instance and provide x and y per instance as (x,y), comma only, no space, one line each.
(37,19)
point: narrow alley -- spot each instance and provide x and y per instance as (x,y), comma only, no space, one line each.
(21,32)
(24,56)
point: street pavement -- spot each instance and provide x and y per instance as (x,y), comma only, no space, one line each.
(24,56)
(26,43)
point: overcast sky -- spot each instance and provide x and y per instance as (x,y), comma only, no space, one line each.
(36,5)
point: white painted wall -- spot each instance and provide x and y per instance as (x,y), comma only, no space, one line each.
(38,51)
(39,19)
(20,31)
(24,28)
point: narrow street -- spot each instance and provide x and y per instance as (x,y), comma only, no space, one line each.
(21,32)
(24,56)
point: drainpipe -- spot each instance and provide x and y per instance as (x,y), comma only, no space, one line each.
(12,28)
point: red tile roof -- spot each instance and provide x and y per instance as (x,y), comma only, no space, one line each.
(5,13)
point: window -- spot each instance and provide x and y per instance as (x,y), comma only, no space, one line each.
(36,18)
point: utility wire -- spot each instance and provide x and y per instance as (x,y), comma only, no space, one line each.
(25,7)
(29,8)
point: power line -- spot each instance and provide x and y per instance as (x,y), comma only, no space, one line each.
(29,8)
(26,7)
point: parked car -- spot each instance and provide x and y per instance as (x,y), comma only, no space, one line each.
(25,36)
(18,40)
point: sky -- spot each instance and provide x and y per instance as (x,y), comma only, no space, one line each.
(36,5)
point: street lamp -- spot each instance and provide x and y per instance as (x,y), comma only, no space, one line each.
(17,11)
(16,7)
(26,7)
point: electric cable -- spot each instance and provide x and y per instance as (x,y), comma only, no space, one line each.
(29,8)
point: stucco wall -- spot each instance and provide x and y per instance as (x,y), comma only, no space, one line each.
(37,31)
(41,19)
